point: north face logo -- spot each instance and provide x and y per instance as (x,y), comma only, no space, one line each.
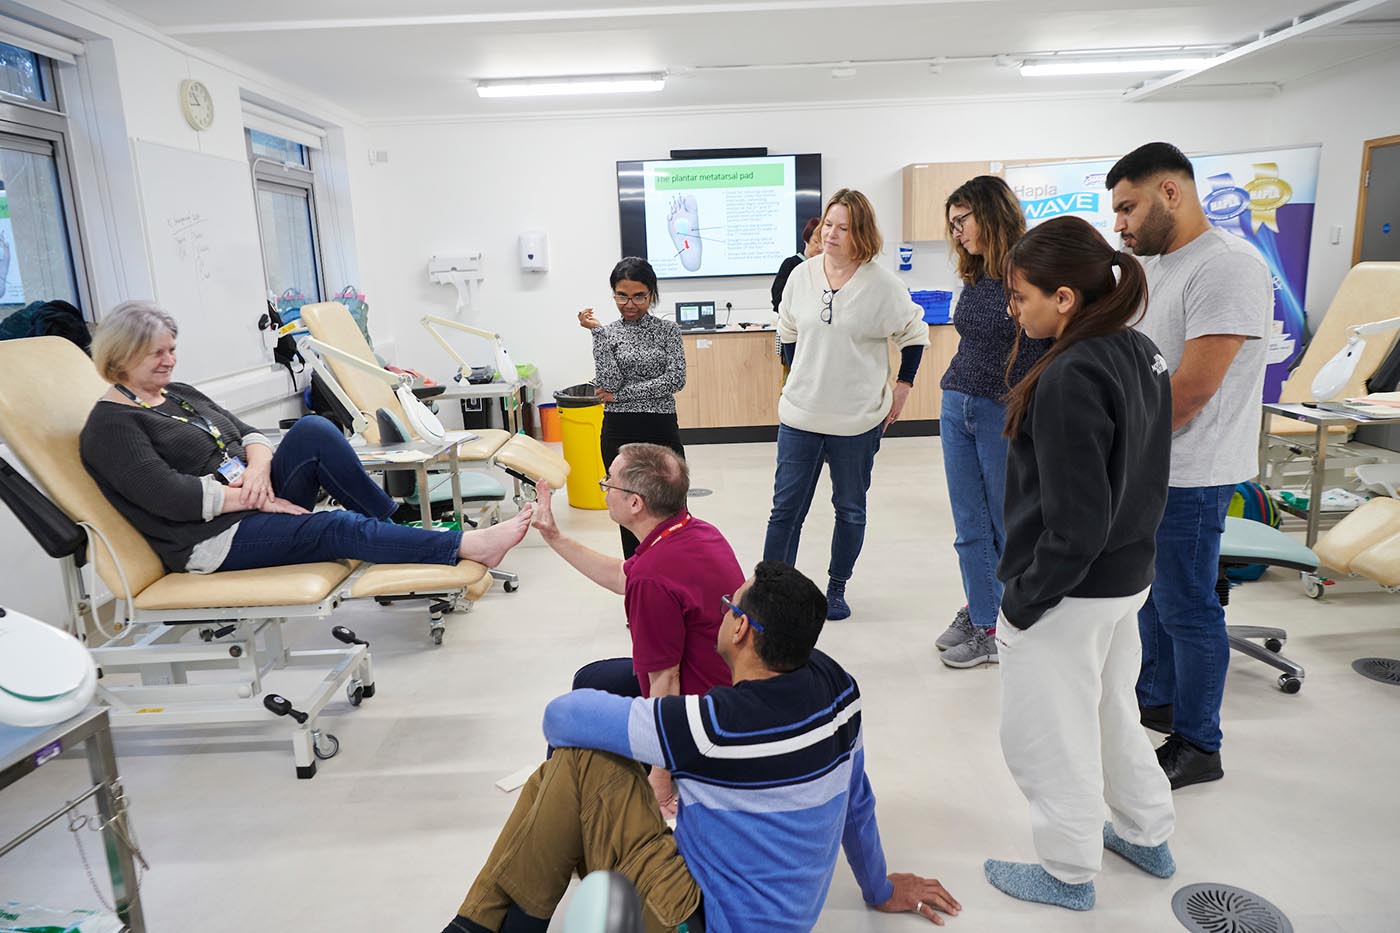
(1159,365)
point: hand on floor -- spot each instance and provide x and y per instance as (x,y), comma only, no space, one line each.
(924,896)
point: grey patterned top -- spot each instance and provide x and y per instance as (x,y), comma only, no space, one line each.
(642,362)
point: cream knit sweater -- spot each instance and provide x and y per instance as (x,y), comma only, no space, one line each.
(840,379)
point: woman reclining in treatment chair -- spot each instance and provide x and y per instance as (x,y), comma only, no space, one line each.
(208,492)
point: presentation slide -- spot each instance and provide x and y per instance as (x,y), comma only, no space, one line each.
(719,216)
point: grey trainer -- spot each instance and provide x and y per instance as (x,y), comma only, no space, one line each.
(981,648)
(960,631)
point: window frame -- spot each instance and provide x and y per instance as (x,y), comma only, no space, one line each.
(287,178)
(26,120)
(48,85)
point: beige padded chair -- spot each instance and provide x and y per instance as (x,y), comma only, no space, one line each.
(47,388)
(523,458)
(1369,292)
(1366,543)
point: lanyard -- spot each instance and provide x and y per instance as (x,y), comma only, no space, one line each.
(207,426)
(670,531)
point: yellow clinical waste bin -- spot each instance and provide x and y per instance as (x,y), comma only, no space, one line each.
(581,423)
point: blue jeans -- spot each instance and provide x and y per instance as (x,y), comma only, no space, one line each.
(974,461)
(1185,651)
(314,456)
(800,458)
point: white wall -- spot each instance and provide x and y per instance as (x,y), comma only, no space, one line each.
(124,89)
(478,184)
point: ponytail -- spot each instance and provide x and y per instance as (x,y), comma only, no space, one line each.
(1068,251)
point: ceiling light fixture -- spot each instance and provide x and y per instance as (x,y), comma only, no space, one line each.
(582,84)
(843,70)
(1109,66)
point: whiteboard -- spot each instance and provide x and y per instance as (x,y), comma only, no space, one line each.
(201,230)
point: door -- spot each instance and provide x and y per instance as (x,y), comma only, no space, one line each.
(1378,212)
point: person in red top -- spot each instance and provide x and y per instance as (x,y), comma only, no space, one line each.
(672,588)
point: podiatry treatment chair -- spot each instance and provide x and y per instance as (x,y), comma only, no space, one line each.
(1366,544)
(524,459)
(199,645)
(1250,542)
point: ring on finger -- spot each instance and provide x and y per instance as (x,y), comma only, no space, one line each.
(919,908)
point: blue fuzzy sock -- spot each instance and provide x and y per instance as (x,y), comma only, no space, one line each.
(1033,883)
(1155,860)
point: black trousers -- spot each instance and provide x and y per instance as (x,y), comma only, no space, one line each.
(623,427)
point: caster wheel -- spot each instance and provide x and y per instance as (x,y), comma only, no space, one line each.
(354,692)
(437,636)
(235,651)
(510,587)
(369,691)
(1274,645)
(327,746)
(1312,588)
(1289,684)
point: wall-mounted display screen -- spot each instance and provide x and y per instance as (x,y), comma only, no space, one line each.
(717,217)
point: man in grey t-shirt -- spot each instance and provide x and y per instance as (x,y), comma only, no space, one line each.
(1210,306)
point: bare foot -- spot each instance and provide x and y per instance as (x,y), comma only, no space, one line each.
(489,546)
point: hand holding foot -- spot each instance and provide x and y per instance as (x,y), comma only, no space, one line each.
(544,513)
(489,546)
(924,896)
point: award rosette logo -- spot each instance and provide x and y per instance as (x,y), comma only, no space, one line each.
(1267,193)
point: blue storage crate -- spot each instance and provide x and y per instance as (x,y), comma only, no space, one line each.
(936,305)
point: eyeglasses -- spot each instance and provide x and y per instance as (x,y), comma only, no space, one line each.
(955,224)
(603,485)
(828,296)
(642,301)
(730,607)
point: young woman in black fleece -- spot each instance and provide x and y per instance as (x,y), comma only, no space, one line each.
(1090,430)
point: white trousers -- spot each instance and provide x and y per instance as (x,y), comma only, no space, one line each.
(1071,734)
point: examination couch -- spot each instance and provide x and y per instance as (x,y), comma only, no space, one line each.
(190,648)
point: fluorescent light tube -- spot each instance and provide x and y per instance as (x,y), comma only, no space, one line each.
(1108,66)
(584,84)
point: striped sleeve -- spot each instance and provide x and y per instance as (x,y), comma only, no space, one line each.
(603,721)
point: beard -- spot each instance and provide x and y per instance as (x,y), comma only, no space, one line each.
(1155,232)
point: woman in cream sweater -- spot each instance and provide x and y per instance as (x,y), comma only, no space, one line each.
(835,322)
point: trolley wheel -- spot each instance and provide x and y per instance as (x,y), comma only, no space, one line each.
(369,691)
(327,746)
(1312,587)
(1289,684)
(510,586)
(1274,645)
(355,692)
(437,632)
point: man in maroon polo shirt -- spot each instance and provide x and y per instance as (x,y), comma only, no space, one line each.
(671,587)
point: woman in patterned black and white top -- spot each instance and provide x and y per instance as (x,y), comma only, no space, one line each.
(640,364)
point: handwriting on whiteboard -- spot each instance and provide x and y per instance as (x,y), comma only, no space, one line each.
(188,233)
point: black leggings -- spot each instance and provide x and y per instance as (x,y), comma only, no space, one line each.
(623,427)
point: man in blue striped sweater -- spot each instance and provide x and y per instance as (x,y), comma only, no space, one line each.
(771,778)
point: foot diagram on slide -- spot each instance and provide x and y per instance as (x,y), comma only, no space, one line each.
(684,226)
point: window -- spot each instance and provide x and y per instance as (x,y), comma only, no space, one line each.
(40,252)
(284,183)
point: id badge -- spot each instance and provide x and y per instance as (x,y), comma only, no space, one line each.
(231,470)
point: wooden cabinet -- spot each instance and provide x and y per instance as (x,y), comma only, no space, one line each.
(926,401)
(926,188)
(734,378)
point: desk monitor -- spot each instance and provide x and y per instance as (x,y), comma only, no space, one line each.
(695,315)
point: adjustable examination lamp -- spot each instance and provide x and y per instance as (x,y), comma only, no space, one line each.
(504,365)
(1334,375)
(423,422)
